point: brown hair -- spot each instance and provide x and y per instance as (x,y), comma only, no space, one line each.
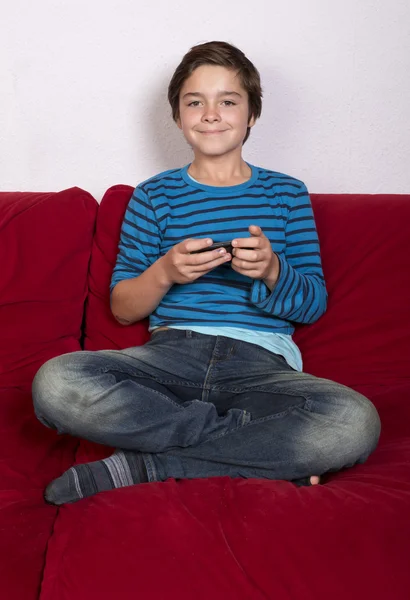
(224,55)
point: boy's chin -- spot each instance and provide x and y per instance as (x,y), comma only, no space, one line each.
(208,152)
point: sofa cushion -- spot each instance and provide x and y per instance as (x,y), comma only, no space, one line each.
(30,457)
(102,331)
(224,538)
(26,523)
(45,245)
(363,340)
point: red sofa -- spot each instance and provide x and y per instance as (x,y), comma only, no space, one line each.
(216,538)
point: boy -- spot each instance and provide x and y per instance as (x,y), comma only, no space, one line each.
(219,388)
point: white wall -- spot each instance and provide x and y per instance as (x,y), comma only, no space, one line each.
(83,89)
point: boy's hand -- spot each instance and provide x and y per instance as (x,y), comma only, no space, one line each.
(254,257)
(181,266)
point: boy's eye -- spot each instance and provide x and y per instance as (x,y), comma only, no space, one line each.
(195,103)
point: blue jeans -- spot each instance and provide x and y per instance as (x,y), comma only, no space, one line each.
(198,405)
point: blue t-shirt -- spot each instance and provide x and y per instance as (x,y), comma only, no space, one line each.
(171,207)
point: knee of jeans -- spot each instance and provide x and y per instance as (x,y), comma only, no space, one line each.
(365,427)
(51,388)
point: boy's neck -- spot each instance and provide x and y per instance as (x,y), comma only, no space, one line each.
(220,171)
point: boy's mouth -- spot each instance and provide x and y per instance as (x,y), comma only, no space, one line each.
(214,132)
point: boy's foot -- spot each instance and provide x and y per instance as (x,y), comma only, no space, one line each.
(122,469)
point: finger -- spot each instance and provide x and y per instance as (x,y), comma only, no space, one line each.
(248,255)
(192,244)
(244,265)
(204,258)
(252,273)
(256,231)
(249,242)
(204,267)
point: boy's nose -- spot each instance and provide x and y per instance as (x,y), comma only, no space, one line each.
(211,115)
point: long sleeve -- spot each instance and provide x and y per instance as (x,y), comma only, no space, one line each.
(299,294)
(139,245)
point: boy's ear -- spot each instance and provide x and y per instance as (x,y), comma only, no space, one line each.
(251,121)
(178,122)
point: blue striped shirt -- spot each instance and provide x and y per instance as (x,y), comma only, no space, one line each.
(171,207)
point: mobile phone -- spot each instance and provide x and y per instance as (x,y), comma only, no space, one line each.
(227,245)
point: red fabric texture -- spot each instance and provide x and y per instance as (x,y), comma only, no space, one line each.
(45,241)
(245,540)
(26,525)
(101,328)
(225,538)
(30,457)
(45,248)
(364,337)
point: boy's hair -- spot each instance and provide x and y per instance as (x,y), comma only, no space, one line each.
(220,54)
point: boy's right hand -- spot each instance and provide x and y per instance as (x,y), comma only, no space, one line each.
(183,267)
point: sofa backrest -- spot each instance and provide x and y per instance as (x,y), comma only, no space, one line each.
(45,247)
(101,329)
(363,340)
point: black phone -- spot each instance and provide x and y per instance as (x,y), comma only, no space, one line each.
(227,245)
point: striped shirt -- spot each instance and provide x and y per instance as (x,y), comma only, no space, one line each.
(171,207)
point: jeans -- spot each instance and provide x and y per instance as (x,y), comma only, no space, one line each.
(199,405)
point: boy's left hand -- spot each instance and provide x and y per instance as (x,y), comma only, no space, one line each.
(254,257)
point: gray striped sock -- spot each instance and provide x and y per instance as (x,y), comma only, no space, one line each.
(121,469)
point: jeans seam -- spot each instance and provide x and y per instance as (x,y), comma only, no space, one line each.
(267,389)
(213,360)
(150,466)
(247,421)
(147,376)
(177,382)
(160,381)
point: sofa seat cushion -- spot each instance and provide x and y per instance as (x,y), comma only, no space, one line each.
(245,539)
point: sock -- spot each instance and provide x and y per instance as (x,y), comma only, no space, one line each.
(122,469)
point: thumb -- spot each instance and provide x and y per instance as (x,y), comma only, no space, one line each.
(255,230)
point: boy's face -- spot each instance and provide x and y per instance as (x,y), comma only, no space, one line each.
(214,111)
